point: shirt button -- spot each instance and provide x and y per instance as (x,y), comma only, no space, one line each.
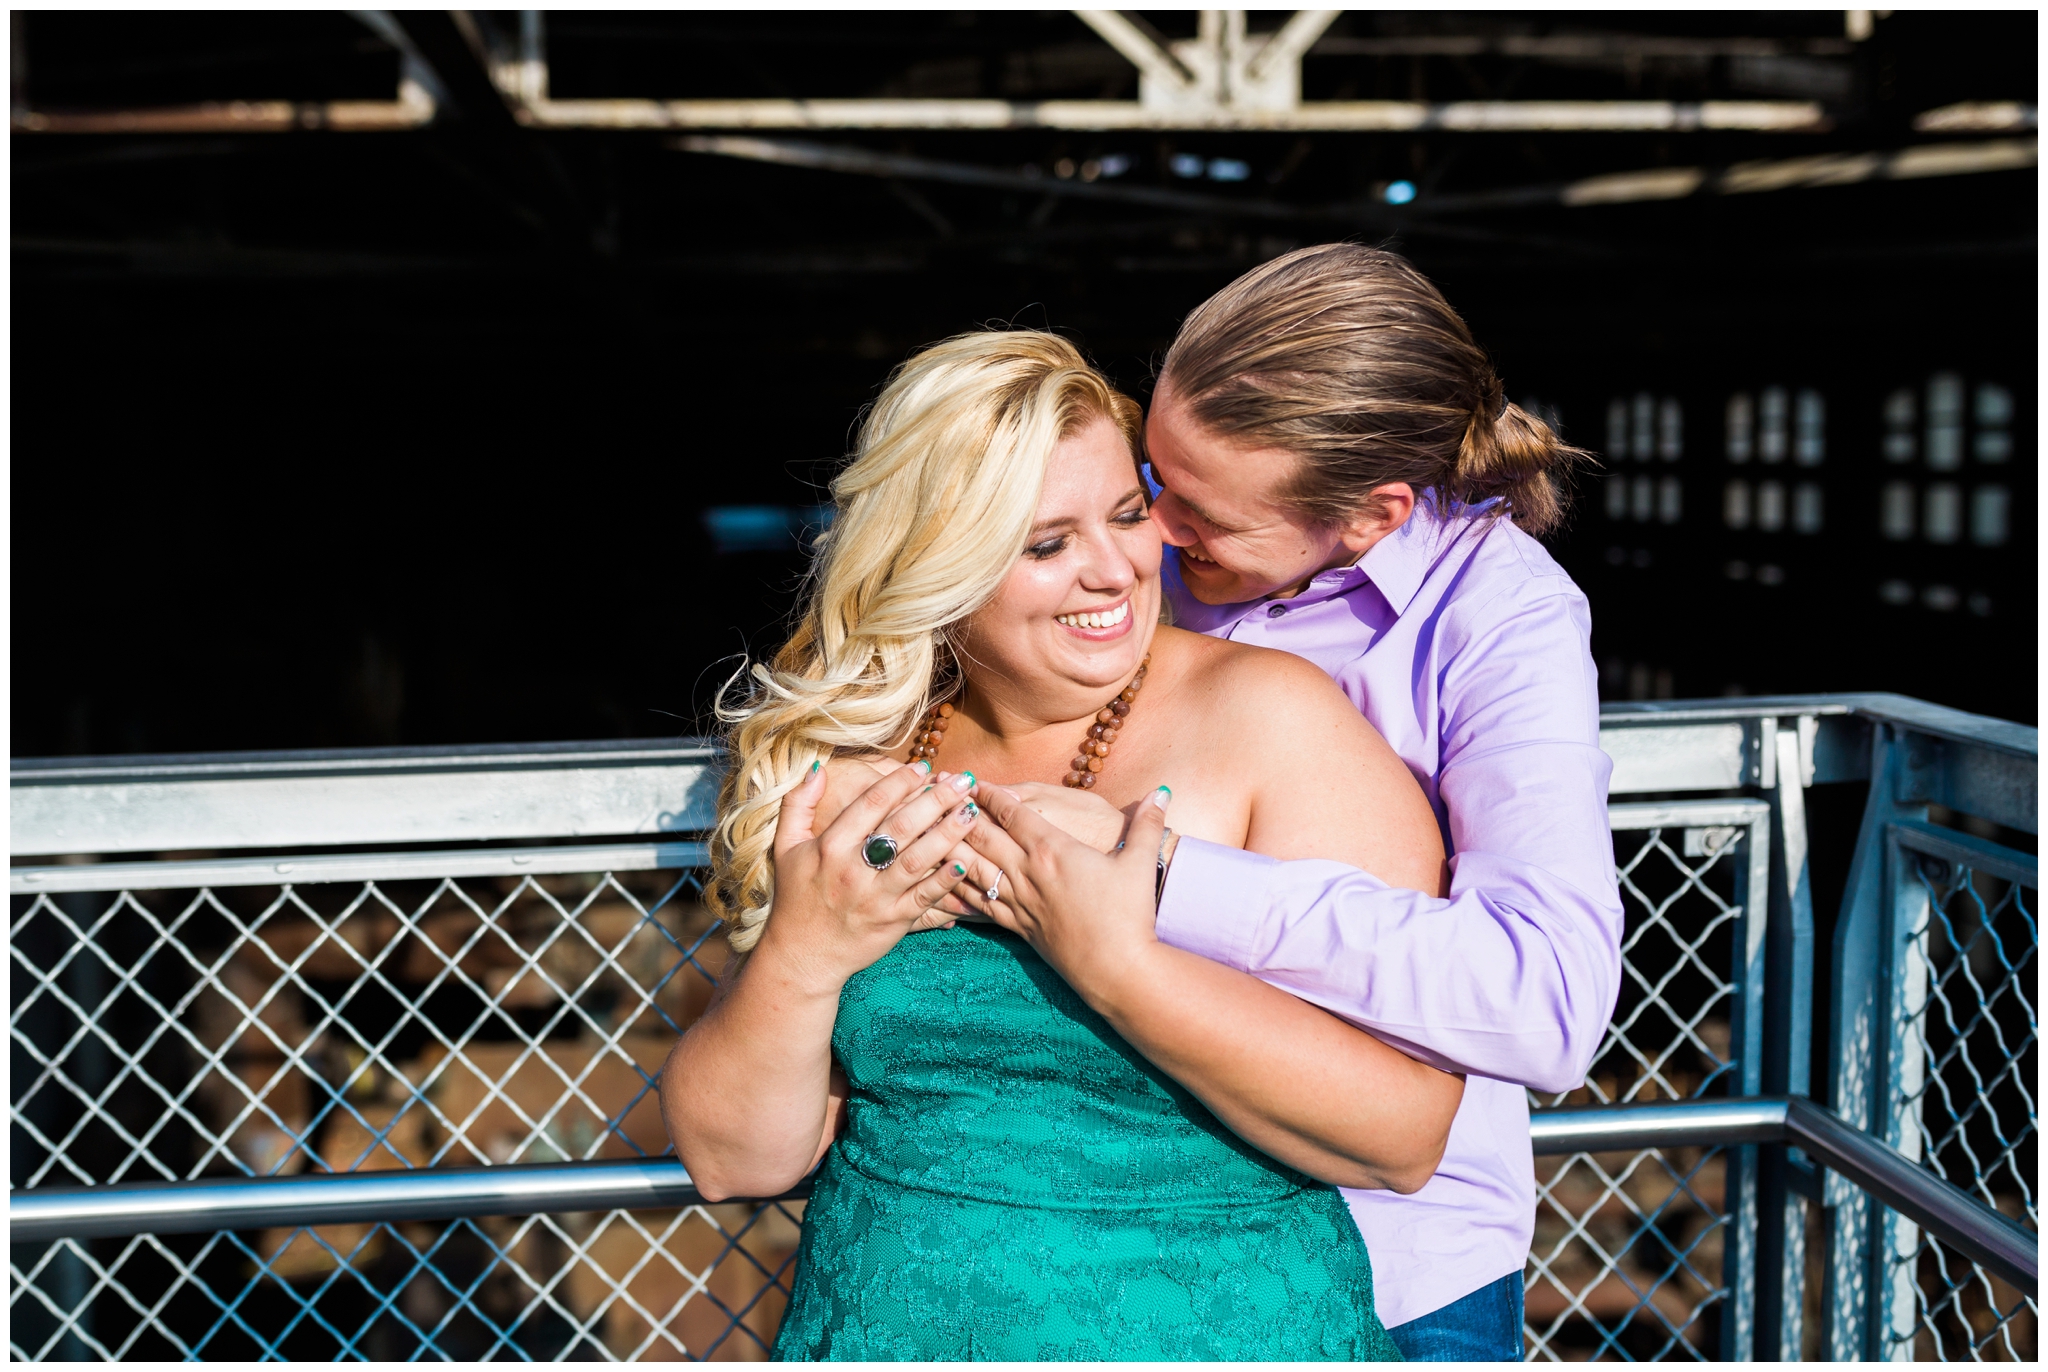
(1275,611)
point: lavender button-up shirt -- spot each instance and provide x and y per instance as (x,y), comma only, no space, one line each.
(1467,647)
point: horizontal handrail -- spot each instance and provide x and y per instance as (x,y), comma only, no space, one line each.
(176,1207)
(356,798)
(1950,1213)
(441,1193)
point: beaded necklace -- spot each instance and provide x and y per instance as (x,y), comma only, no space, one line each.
(1087,764)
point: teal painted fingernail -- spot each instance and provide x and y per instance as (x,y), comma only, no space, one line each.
(958,870)
(971,809)
(1167,789)
(814,767)
(926,764)
(970,779)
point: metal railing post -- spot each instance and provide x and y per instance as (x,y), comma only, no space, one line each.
(1740,1255)
(1858,1056)
(1788,1020)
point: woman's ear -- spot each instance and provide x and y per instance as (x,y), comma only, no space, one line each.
(1386,510)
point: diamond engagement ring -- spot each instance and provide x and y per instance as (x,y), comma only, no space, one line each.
(990,894)
(878,851)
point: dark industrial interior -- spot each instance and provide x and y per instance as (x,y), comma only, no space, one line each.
(484,432)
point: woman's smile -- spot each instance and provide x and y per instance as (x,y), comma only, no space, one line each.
(1101,625)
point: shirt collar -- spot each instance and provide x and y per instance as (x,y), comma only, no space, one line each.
(1397,565)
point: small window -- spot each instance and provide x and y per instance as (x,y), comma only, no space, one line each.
(1942,599)
(1617,428)
(1642,497)
(1941,517)
(1670,430)
(1945,422)
(1615,490)
(1770,574)
(1901,414)
(1741,426)
(1994,406)
(1810,430)
(1895,509)
(1806,508)
(1896,592)
(1989,507)
(1770,506)
(1993,443)
(1643,440)
(1772,418)
(1735,505)
(1670,498)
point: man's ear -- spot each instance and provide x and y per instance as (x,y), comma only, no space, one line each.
(1387,511)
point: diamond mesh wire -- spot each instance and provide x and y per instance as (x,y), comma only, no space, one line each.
(1627,1256)
(266,1031)
(274,1030)
(1970,1108)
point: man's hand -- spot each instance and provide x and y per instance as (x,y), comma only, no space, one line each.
(1089,914)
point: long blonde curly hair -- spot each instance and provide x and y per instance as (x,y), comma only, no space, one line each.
(930,516)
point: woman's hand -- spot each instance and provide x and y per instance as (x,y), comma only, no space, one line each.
(834,913)
(1088,913)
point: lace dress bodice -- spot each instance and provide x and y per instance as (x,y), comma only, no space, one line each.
(1017,1182)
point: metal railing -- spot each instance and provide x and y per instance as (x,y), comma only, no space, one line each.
(467,1036)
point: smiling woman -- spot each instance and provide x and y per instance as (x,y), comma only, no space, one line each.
(1008,1135)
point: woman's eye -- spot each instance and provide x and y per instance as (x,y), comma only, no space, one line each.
(1052,547)
(1133,517)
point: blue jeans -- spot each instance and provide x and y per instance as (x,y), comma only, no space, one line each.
(1485,1326)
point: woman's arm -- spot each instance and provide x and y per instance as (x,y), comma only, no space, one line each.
(1294,1081)
(750,1094)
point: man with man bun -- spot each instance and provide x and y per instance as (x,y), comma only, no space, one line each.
(1342,479)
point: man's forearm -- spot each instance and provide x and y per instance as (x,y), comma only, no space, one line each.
(1290,1080)
(1513,976)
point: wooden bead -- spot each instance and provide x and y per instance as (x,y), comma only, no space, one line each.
(1094,764)
(1080,763)
(1087,781)
(1072,779)
(1127,695)
(1105,714)
(945,711)
(1117,710)
(1101,749)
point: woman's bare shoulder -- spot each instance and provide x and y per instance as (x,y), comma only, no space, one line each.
(1241,682)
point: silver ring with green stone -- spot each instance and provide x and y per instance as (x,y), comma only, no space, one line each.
(878,851)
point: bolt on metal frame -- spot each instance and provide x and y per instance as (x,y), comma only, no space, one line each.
(166,1011)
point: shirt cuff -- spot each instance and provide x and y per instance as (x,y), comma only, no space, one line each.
(1214,902)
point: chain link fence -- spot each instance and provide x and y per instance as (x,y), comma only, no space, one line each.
(424,1010)
(1966,1095)
(277,1030)
(1631,1254)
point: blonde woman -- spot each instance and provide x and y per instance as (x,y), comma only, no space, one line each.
(1005,1169)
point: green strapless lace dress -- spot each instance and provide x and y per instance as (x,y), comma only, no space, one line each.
(1016,1182)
